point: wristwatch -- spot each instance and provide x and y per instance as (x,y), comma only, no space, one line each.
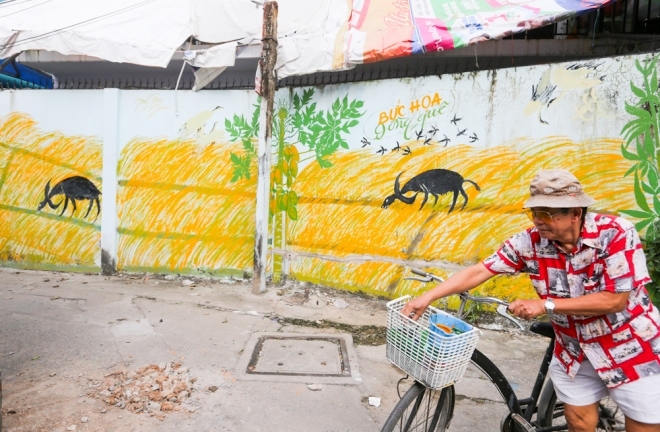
(549,306)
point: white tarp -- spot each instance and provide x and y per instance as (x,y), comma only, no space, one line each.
(148,32)
(124,31)
(313,35)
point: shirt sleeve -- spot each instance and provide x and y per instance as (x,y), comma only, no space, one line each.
(507,260)
(624,263)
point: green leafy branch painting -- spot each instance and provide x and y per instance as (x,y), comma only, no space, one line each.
(320,132)
(642,146)
(240,130)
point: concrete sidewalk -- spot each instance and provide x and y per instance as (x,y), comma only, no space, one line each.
(62,333)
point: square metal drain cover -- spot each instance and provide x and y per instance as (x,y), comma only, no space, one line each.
(294,357)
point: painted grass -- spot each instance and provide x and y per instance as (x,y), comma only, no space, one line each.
(179,211)
(29,158)
(348,218)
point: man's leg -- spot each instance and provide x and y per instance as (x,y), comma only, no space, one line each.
(635,426)
(582,418)
(580,395)
(638,400)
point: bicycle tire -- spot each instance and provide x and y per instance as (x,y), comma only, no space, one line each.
(610,417)
(422,409)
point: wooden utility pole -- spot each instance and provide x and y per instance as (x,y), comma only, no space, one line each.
(265,86)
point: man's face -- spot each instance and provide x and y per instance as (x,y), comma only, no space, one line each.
(553,223)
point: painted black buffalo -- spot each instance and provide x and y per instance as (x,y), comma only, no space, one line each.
(434,182)
(73,188)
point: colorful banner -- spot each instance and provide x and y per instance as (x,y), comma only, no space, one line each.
(382,29)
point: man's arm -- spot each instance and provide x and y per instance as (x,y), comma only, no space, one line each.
(462,281)
(608,301)
(596,304)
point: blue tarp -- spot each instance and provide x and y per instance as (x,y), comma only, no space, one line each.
(16,75)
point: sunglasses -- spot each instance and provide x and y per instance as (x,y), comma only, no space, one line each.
(541,215)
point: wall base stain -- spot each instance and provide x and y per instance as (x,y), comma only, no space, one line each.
(108,263)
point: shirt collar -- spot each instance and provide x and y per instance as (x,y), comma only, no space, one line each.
(589,235)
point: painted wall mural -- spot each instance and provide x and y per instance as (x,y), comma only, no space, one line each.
(179,211)
(367,245)
(367,179)
(298,121)
(40,226)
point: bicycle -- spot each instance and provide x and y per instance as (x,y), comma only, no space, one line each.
(427,408)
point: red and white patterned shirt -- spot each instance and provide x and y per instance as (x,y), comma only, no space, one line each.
(622,346)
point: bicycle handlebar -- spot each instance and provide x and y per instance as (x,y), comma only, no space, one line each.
(419,272)
(502,305)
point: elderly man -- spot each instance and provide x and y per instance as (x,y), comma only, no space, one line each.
(589,270)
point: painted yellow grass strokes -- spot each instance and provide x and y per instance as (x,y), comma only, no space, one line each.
(355,222)
(349,218)
(179,210)
(495,213)
(371,278)
(6,159)
(180,254)
(37,157)
(196,230)
(30,158)
(46,241)
(19,133)
(342,229)
(494,216)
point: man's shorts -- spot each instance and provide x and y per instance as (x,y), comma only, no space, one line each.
(638,399)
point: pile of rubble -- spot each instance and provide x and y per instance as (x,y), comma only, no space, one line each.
(153,388)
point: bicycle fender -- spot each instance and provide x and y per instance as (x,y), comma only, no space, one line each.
(498,379)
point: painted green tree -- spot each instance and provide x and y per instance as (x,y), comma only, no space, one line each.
(641,146)
(300,123)
(246,131)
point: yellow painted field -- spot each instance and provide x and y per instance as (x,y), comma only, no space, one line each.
(29,158)
(341,215)
(179,212)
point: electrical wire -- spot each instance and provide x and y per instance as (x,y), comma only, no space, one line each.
(79,24)
(8,3)
(23,10)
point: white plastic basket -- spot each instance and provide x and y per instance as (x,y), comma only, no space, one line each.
(431,359)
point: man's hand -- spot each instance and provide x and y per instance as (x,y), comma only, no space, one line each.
(527,309)
(416,306)
(462,281)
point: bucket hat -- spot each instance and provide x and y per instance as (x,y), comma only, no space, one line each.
(557,188)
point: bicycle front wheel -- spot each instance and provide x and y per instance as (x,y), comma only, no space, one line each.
(422,409)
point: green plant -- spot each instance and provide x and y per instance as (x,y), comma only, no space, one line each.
(642,146)
(652,252)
